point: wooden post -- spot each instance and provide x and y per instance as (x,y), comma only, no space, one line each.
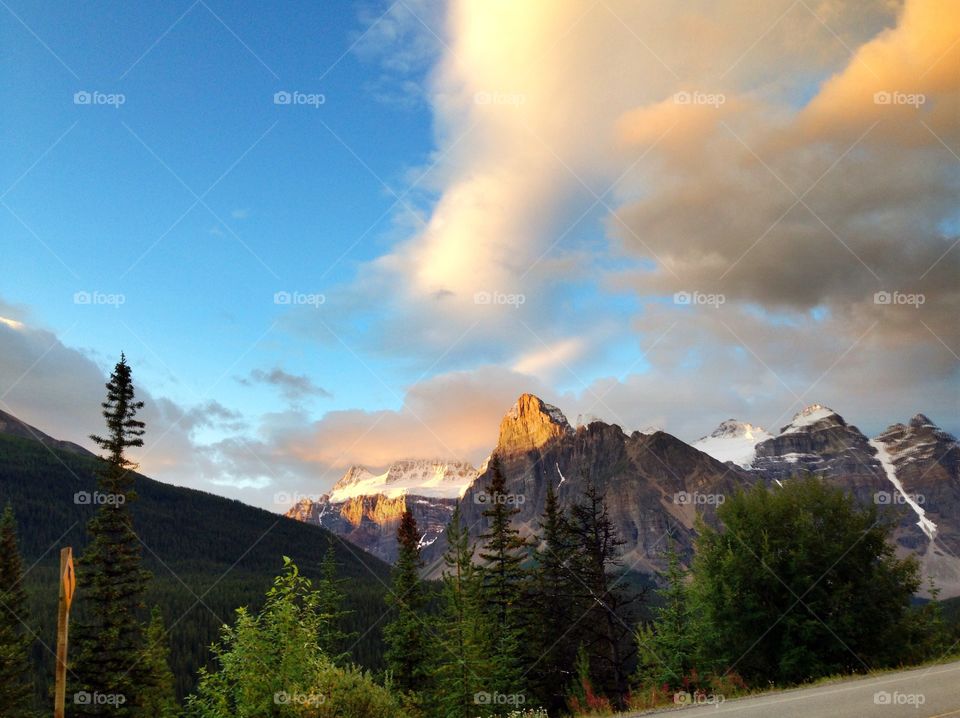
(68,582)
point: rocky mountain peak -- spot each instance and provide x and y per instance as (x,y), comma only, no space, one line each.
(353,476)
(430,472)
(530,424)
(734,428)
(921,421)
(815,415)
(438,478)
(733,441)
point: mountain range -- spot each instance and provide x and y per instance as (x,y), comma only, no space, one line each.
(656,484)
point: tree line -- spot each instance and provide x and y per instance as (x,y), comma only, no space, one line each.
(796,583)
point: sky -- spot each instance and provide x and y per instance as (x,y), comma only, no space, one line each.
(328,234)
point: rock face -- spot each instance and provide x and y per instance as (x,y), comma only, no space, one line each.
(923,463)
(365,508)
(819,441)
(653,483)
(531,424)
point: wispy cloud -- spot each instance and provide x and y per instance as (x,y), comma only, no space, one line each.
(293,387)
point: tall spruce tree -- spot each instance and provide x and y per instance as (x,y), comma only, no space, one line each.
(502,585)
(330,598)
(605,626)
(111,583)
(16,685)
(157,695)
(461,662)
(551,646)
(667,647)
(404,635)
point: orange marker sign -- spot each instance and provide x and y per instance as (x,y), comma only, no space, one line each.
(69,580)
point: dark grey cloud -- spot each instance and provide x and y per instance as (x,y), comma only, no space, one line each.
(293,387)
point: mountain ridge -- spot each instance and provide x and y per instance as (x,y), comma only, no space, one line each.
(645,477)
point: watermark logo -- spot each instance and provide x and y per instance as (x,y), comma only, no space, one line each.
(99,299)
(697,698)
(697,97)
(85,698)
(685,498)
(299,299)
(482,497)
(885,698)
(310,99)
(514,99)
(699,299)
(285,498)
(910,99)
(893,498)
(95,97)
(900,299)
(483,698)
(98,498)
(500,298)
(282,698)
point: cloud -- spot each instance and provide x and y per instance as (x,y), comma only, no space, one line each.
(452,416)
(708,148)
(58,389)
(550,358)
(823,208)
(293,387)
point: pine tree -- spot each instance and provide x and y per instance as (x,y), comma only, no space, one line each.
(552,649)
(604,628)
(502,585)
(462,666)
(157,696)
(16,686)
(330,599)
(404,635)
(667,647)
(111,583)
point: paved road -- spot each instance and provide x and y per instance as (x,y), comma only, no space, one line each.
(932,692)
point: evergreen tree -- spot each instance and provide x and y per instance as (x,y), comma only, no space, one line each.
(667,647)
(552,648)
(404,635)
(16,685)
(502,585)
(461,662)
(111,581)
(157,696)
(604,628)
(330,598)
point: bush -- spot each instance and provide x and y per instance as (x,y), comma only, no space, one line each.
(271,664)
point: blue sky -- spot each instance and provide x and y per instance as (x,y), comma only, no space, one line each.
(534,154)
(105,210)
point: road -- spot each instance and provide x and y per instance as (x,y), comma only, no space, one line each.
(932,692)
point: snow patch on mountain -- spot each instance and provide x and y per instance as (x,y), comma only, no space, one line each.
(733,441)
(886,461)
(429,478)
(808,417)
